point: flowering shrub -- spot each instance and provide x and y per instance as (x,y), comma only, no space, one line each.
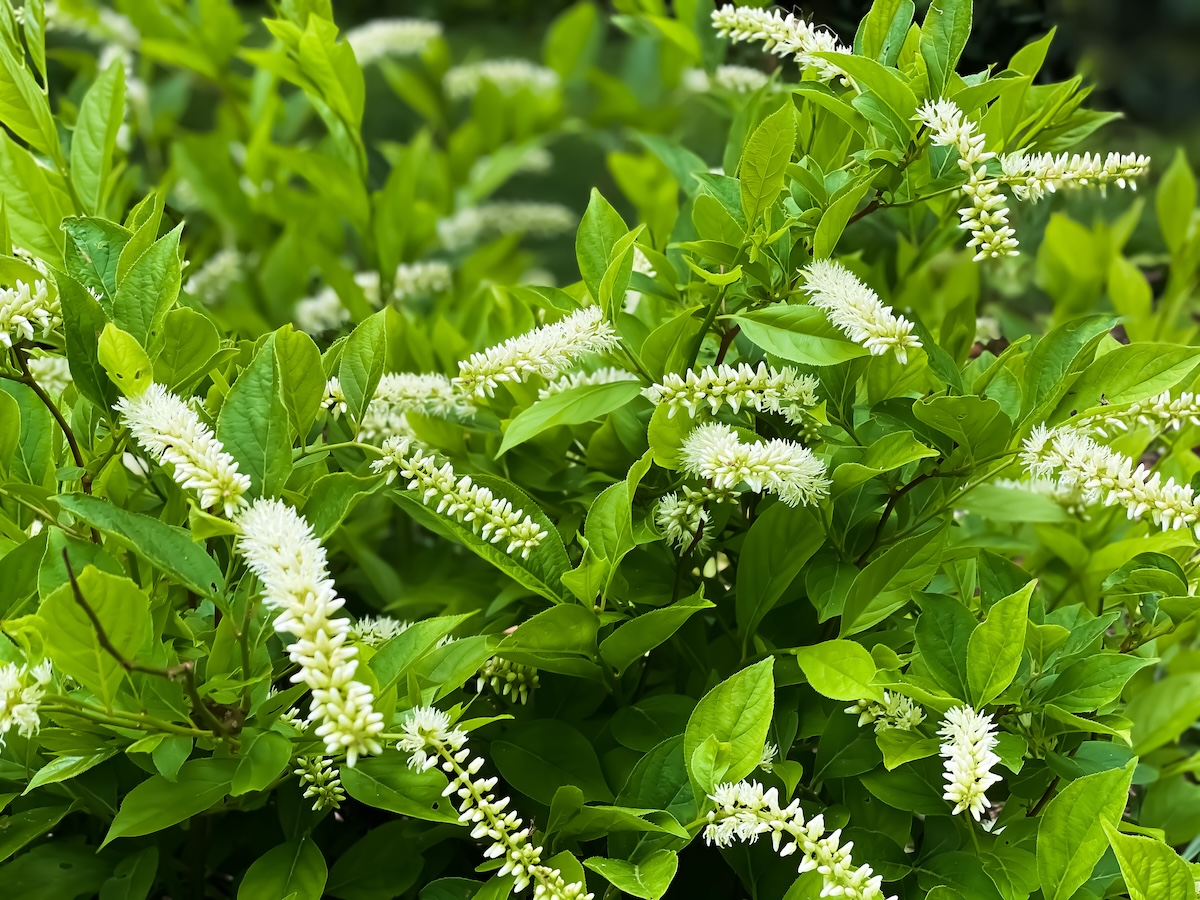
(344,555)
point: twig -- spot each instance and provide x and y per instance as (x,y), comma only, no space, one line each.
(887,511)
(185,670)
(726,343)
(29,381)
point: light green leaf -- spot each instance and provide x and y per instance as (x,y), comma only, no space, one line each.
(388,783)
(189,341)
(573,406)
(599,231)
(262,758)
(1152,870)
(295,869)
(1071,836)
(840,670)
(637,637)
(95,137)
(994,650)
(301,377)
(1176,201)
(943,36)
(253,424)
(1164,711)
(149,290)
(123,358)
(737,715)
(799,334)
(648,879)
(763,168)
(834,219)
(361,365)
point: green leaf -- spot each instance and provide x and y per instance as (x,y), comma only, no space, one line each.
(300,376)
(562,639)
(123,358)
(293,870)
(1056,357)
(361,365)
(64,768)
(943,36)
(1152,870)
(599,231)
(885,97)
(166,546)
(1175,200)
(780,541)
(372,870)
(149,290)
(892,451)
(882,31)
(840,670)
(190,339)
(943,635)
(263,757)
(33,432)
(799,334)
(71,642)
(253,425)
(388,783)
(538,757)
(1131,373)
(332,496)
(995,647)
(834,219)
(763,168)
(25,826)
(94,248)
(979,424)
(1094,681)
(573,406)
(393,660)
(737,715)
(35,201)
(1164,710)
(95,137)
(1071,836)
(83,322)
(157,803)
(639,636)
(648,879)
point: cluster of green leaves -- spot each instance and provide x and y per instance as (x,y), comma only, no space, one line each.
(163,761)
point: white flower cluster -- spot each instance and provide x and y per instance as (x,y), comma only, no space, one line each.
(735,79)
(334,398)
(764,389)
(857,310)
(398,394)
(987,216)
(490,220)
(21,691)
(170,430)
(430,741)
(602,375)
(26,309)
(509,75)
(896,712)
(1162,412)
(508,679)
(100,23)
(547,351)
(680,518)
(492,518)
(1103,474)
(536,160)
(714,452)
(375,631)
(321,780)
(380,38)
(783,35)
(53,373)
(1032,176)
(968,745)
(213,279)
(745,811)
(321,313)
(421,279)
(280,548)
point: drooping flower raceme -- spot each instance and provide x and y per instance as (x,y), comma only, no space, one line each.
(761,388)
(509,75)
(490,220)
(735,79)
(896,712)
(320,313)
(401,393)
(745,811)
(683,517)
(1032,176)
(170,430)
(321,780)
(968,745)
(547,351)
(1104,475)
(508,679)
(27,309)
(21,691)
(789,470)
(494,519)
(783,35)
(430,741)
(857,310)
(987,216)
(421,279)
(602,375)
(1162,412)
(380,38)
(280,548)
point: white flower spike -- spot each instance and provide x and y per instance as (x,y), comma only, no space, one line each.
(857,310)
(781,34)
(764,389)
(969,742)
(714,452)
